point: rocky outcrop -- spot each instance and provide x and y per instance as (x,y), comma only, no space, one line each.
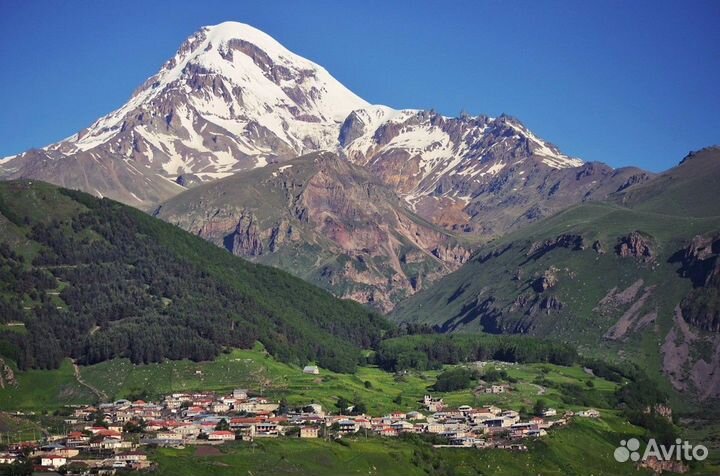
(615,299)
(7,376)
(635,317)
(636,245)
(571,241)
(550,303)
(701,264)
(700,260)
(245,240)
(691,360)
(280,234)
(451,253)
(352,128)
(548,280)
(598,247)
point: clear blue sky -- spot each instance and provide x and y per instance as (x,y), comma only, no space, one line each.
(620,82)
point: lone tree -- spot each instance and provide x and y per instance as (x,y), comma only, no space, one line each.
(342,404)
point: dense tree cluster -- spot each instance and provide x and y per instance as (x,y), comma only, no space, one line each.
(424,352)
(134,287)
(457,378)
(16,280)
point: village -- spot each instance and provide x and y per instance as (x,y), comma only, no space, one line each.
(110,437)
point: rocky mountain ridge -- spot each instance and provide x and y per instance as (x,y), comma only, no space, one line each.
(233,99)
(326,220)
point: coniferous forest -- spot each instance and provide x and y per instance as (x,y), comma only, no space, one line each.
(108,282)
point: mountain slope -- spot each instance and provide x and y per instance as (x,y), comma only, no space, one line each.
(325,220)
(477,175)
(94,280)
(637,281)
(233,99)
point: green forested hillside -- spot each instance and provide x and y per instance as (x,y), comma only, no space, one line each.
(93,280)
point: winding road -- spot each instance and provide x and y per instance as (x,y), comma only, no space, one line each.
(102,396)
(541,390)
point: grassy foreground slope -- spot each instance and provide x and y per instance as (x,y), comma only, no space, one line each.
(607,277)
(583,448)
(95,280)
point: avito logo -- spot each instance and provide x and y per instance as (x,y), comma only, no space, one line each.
(680,451)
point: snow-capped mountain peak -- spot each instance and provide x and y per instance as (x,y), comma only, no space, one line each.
(241,82)
(233,98)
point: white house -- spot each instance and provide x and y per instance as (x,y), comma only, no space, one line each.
(53,461)
(8,458)
(130,457)
(221,436)
(311,369)
(169,436)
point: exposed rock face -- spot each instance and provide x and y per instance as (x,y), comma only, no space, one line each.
(550,303)
(615,299)
(245,240)
(700,261)
(280,234)
(7,376)
(635,317)
(598,247)
(571,241)
(475,175)
(701,264)
(548,280)
(636,245)
(688,370)
(326,220)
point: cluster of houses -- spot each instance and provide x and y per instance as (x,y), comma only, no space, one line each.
(77,453)
(109,436)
